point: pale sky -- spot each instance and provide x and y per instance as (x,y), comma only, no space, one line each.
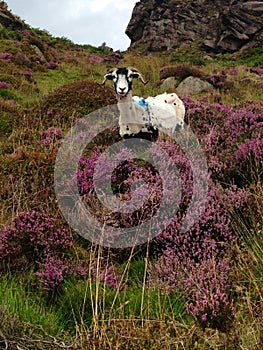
(82,21)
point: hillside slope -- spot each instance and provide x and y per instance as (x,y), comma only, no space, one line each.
(200,289)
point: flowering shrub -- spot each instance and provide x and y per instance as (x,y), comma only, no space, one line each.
(108,276)
(6,56)
(123,175)
(49,136)
(217,80)
(28,75)
(31,236)
(180,72)
(85,172)
(23,60)
(53,272)
(206,285)
(65,104)
(4,85)
(230,136)
(198,260)
(51,65)
(234,71)
(256,70)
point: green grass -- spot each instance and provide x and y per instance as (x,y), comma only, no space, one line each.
(8,94)
(19,300)
(87,302)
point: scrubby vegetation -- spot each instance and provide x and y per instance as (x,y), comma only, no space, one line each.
(202,289)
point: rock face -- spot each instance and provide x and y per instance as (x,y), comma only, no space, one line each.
(7,19)
(219,26)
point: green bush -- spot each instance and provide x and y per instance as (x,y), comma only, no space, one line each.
(252,57)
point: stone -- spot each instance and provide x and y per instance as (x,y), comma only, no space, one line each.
(169,85)
(39,53)
(193,85)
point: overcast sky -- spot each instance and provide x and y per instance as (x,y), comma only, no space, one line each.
(82,21)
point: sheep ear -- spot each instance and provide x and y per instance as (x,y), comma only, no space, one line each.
(137,75)
(108,76)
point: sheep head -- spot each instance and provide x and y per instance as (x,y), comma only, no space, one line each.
(122,79)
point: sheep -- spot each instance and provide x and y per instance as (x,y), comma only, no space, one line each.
(144,117)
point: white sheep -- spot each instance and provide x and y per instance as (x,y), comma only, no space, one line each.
(138,116)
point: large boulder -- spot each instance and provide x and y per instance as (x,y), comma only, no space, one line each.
(193,85)
(220,26)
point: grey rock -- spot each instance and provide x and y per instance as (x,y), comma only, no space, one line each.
(39,53)
(169,84)
(193,85)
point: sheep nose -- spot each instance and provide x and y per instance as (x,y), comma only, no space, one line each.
(122,90)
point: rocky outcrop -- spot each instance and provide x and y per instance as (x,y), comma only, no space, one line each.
(7,19)
(219,25)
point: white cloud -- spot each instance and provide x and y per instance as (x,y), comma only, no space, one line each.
(82,21)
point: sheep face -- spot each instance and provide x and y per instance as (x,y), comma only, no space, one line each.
(122,79)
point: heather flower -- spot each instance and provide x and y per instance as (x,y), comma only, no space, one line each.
(234,71)
(256,70)
(6,56)
(53,272)
(51,112)
(25,33)
(55,268)
(206,285)
(217,80)
(126,179)
(4,85)
(28,75)
(31,236)
(109,276)
(197,260)
(51,65)
(222,130)
(204,317)
(49,136)
(85,172)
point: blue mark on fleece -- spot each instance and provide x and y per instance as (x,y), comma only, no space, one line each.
(143,103)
